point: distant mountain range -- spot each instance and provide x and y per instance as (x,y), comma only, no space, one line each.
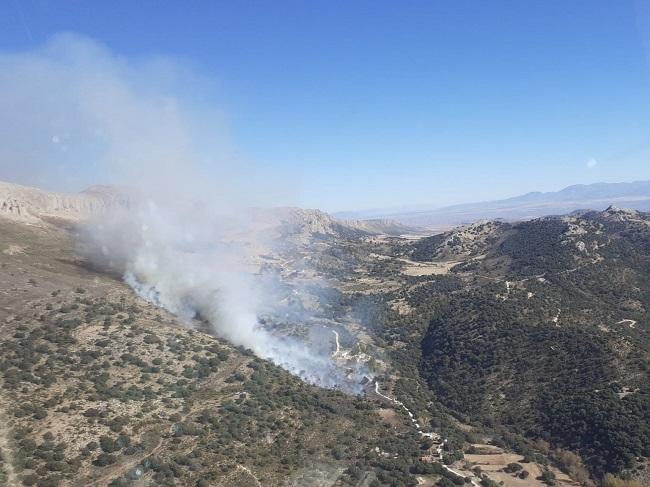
(598,196)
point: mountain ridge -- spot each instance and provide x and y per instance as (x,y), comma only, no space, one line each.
(33,205)
(596,196)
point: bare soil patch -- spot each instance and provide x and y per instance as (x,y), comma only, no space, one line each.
(413,268)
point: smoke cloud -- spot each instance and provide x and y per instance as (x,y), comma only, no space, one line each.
(81,114)
(196,274)
(76,114)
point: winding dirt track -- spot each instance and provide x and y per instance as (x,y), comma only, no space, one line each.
(630,323)
(474,482)
(338,345)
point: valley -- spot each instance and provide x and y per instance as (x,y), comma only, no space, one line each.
(481,355)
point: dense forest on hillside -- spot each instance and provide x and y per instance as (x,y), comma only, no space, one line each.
(556,344)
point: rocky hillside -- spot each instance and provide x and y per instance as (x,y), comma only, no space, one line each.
(526,346)
(26,204)
(547,332)
(98,387)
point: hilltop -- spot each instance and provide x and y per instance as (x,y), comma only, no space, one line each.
(550,333)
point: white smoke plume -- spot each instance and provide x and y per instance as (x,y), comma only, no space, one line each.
(194,274)
(81,114)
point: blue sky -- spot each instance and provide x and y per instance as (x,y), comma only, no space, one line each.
(376,104)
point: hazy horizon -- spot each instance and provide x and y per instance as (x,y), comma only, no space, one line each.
(337,107)
(379,211)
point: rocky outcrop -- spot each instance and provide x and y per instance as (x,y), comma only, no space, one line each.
(301,224)
(619,214)
(31,205)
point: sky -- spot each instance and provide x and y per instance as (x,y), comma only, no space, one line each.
(371,104)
